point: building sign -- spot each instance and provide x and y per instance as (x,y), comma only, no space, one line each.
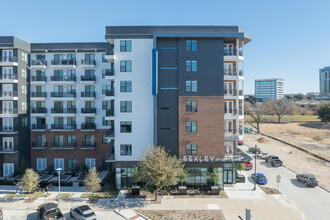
(200,159)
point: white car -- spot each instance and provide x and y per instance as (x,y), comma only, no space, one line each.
(82,212)
(262,155)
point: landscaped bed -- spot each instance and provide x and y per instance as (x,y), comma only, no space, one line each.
(183,214)
(64,196)
(24,195)
(270,191)
(101,195)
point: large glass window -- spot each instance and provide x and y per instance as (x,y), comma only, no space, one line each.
(106,122)
(191,86)
(72,163)
(71,139)
(125,106)
(191,126)
(191,106)
(191,45)
(90,162)
(125,66)
(191,65)
(59,163)
(41,163)
(125,46)
(125,86)
(191,149)
(125,126)
(126,150)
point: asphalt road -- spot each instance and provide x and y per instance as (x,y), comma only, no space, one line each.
(313,202)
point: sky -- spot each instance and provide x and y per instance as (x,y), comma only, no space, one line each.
(290,38)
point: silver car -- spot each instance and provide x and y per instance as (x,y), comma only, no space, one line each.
(82,212)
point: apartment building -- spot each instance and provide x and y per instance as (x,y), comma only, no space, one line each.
(14,101)
(324,77)
(266,89)
(190,80)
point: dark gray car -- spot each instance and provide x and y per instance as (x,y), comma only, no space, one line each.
(307,179)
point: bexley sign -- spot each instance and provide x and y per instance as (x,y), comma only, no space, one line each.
(208,159)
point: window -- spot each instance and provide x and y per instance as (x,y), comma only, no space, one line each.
(90,162)
(106,105)
(71,139)
(104,72)
(8,143)
(24,73)
(24,89)
(89,140)
(103,59)
(125,66)
(191,106)
(72,163)
(191,66)
(126,127)
(191,126)
(106,122)
(125,86)
(191,86)
(24,106)
(71,56)
(24,57)
(191,45)
(58,140)
(24,122)
(59,163)
(191,149)
(41,163)
(125,150)
(105,88)
(125,46)
(125,106)
(104,139)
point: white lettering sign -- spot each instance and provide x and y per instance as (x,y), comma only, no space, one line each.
(209,159)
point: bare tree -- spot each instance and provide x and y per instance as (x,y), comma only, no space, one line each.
(280,108)
(257,111)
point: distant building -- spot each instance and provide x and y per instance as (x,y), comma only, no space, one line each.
(269,89)
(325,81)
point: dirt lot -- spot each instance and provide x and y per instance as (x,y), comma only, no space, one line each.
(294,159)
(172,214)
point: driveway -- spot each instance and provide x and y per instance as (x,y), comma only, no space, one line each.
(314,202)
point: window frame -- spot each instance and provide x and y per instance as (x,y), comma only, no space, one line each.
(191,126)
(126,127)
(129,149)
(191,106)
(191,149)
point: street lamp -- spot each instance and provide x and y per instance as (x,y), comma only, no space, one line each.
(59,183)
(255,167)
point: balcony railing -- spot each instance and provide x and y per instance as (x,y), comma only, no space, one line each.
(229,132)
(88,94)
(8,94)
(110,133)
(63,78)
(88,62)
(88,110)
(64,145)
(240,112)
(39,110)
(230,111)
(39,78)
(63,94)
(88,145)
(110,72)
(88,78)
(232,52)
(63,62)
(8,128)
(229,92)
(111,155)
(110,113)
(39,94)
(64,126)
(85,126)
(64,110)
(8,59)
(9,76)
(39,62)
(9,111)
(39,145)
(109,92)
(231,72)
(39,126)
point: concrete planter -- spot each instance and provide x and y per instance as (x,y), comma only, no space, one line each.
(240,179)
(182,190)
(215,190)
(136,190)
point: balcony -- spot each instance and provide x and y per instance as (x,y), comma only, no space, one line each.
(39,126)
(110,156)
(38,64)
(63,94)
(63,78)
(110,113)
(109,55)
(64,63)
(38,78)
(42,95)
(88,111)
(9,95)
(88,63)
(63,126)
(39,145)
(85,145)
(88,79)
(88,94)
(230,134)
(10,78)
(88,126)
(8,111)
(110,133)
(231,72)
(230,112)
(232,52)
(56,145)
(39,110)
(8,129)
(63,110)
(109,93)
(229,92)
(8,61)
(109,74)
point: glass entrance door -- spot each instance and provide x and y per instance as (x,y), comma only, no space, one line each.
(227,176)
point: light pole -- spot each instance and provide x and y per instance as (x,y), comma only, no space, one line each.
(255,167)
(59,183)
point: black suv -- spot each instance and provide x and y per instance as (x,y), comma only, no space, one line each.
(274,161)
(271,157)
(254,150)
(49,211)
(307,179)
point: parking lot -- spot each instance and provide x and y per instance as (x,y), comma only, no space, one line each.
(314,202)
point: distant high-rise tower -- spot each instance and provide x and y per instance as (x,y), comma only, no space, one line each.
(269,89)
(325,81)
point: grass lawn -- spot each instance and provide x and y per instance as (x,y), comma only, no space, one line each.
(289,118)
(24,195)
(111,194)
(65,196)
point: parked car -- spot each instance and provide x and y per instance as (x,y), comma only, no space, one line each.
(82,212)
(264,155)
(271,157)
(276,162)
(254,150)
(240,142)
(1,214)
(49,211)
(248,165)
(307,179)
(259,178)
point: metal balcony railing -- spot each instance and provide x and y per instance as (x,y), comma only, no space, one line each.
(39,110)
(109,92)
(8,59)
(9,111)
(63,94)
(231,72)
(9,94)
(64,126)
(39,62)
(63,145)
(8,76)
(110,113)
(63,78)
(110,133)
(110,72)
(39,144)
(88,94)
(63,110)
(88,110)
(88,145)
(230,111)
(88,62)
(232,52)
(88,78)
(39,126)
(39,78)
(85,126)
(63,62)
(39,94)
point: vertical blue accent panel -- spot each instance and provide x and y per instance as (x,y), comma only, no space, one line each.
(154,71)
